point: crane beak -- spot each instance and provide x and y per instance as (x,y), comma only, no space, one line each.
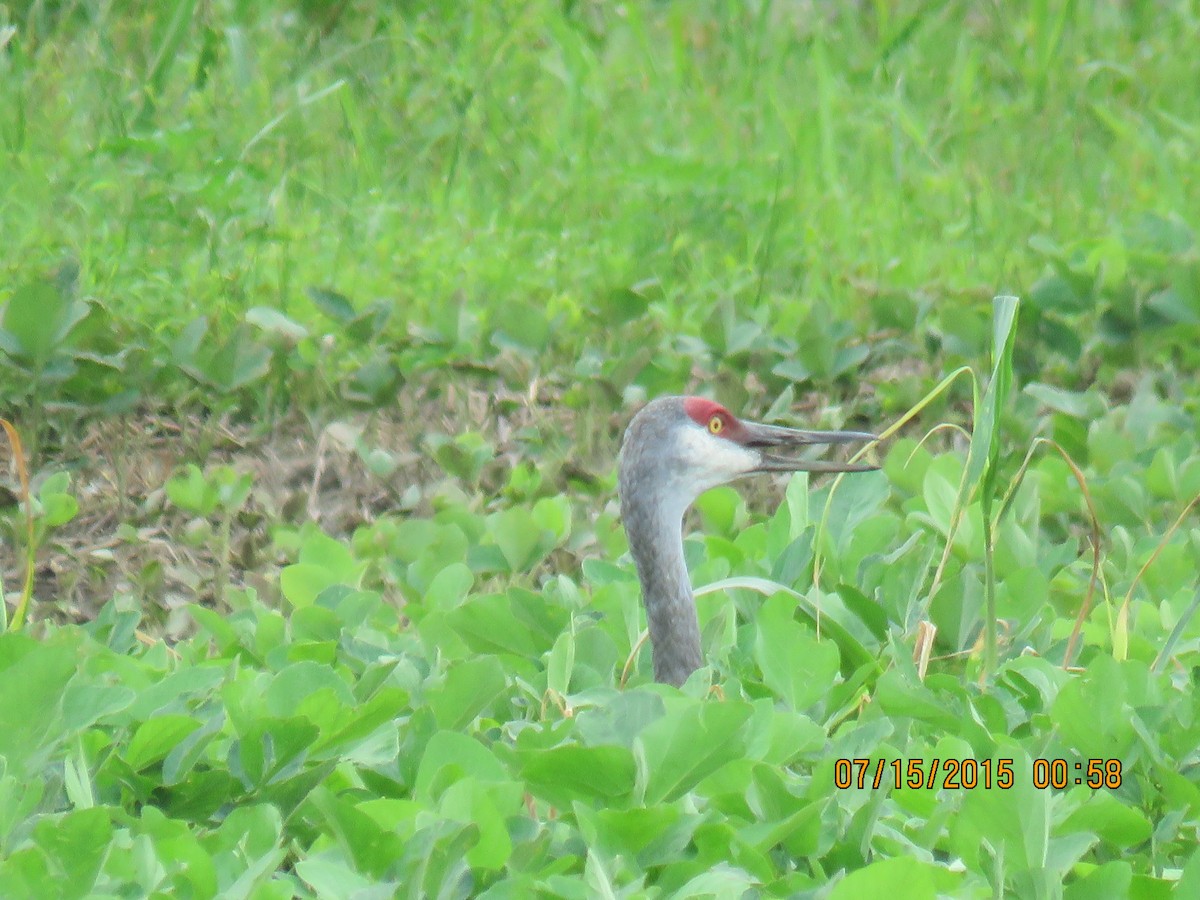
(767,438)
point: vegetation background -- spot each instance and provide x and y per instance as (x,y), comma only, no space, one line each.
(320,323)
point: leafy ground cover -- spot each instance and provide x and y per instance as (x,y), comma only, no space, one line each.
(320,323)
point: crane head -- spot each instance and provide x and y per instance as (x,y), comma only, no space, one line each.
(760,445)
(680,447)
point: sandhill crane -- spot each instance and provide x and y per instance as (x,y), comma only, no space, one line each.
(675,449)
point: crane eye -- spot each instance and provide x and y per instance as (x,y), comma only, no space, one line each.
(715,424)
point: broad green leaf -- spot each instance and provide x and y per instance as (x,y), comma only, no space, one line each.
(157,737)
(1112,879)
(1078,404)
(516,622)
(38,319)
(468,688)
(319,549)
(271,750)
(788,735)
(1091,712)
(553,516)
(86,702)
(1189,881)
(182,758)
(450,755)
(324,562)
(940,499)
(564,774)
(191,491)
(232,364)
(382,710)
(336,306)
(291,686)
(449,587)
(77,842)
(654,834)
(1114,822)
(900,878)
(275,322)
(1016,821)
(359,836)
(302,583)
(719,509)
(334,879)
(224,635)
(479,804)
(58,509)
(722,880)
(58,483)
(34,674)
(620,717)
(795,665)
(517,535)
(1056,294)
(833,619)
(254,830)
(370,323)
(676,752)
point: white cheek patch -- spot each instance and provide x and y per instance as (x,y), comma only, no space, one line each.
(713,460)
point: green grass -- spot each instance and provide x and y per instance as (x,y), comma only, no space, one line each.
(407,269)
(515,167)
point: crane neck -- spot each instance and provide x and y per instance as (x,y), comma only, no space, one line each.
(655,533)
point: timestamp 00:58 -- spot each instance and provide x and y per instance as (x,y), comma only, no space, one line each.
(970,774)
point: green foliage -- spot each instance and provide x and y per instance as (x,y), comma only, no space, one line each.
(53,506)
(476,741)
(55,346)
(219,495)
(223,490)
(475,219)
(224,366)
(38,322)
(434,187)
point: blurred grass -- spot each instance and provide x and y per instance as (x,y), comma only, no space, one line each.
(508,172)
